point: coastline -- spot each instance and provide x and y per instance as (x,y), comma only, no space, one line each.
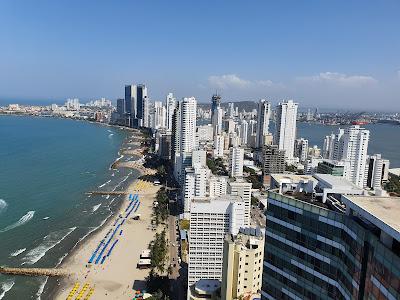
(100,277)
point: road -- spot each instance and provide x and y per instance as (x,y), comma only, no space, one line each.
(176,278)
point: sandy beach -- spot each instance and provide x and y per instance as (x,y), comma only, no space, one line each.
(118,276)
(115,278)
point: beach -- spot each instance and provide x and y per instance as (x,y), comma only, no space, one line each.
(115,278)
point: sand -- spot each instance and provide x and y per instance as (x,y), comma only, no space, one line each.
(116,277)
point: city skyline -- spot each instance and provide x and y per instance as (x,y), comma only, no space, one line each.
(343,55)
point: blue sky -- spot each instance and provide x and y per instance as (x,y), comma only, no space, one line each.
(333,54)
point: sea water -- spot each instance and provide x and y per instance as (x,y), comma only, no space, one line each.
(46,166)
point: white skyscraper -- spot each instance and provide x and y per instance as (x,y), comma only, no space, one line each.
(218,186)
(170,103)
(158,115)
(353,146)
(188,124)
(219,141)
(210,221)
(244,131)
(217,121)
(231,110)
(242,188)
(286,115)
(195,186)
(377,171)
(329,146)
(301,149)
(264,114)
(236,157)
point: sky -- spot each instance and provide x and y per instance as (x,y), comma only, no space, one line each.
(326,54)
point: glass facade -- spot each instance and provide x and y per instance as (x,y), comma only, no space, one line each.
(314,253)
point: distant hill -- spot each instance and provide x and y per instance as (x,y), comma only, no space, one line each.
(246,105)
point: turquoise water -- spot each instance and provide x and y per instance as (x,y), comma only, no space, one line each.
(46,166)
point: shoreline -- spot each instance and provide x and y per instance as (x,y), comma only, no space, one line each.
(100,277)
(51,287)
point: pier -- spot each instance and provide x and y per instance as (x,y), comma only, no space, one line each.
(33,272)
(107,193)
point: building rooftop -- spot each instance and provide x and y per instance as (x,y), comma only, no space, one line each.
(336,182)
(292,178)
(383,212)
(207,286)
(216,205)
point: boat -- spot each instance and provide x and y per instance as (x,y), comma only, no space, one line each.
(46,218)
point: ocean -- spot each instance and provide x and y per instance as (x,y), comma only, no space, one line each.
(46,166)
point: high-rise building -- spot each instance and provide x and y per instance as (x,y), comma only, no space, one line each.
(217,121)
(329,146)
(244,131)
(136,105)
(158,116)
(199,158)
(301,149)
(231,110)
(286,116)
(355,147)
(215,103)
(236,157)
(346,247)
(377,171)
(219,141)
(184,136)
(218,186)
(188,124)
(121,107)
(216,114)
(242,264)
(165,145)
(242,188)
(264,114)
(210,221)
(196,179)
(170,104)
(273,162)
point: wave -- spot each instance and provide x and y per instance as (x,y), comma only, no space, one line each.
(18,252)
(3,205)
(41,288)
(100,186)
(24,219)
(50,241)
(5,287)
(96,207)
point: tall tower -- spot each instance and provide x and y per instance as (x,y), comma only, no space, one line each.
(285,135)
(216,114)
(355,147)
(170,104)
(236,157)
(188,124)
(264,114)
(136,105)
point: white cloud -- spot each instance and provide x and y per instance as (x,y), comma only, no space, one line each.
(228,81)
(233,81)
(339,79)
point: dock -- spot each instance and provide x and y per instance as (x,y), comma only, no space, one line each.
(107,193)
(34,272)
